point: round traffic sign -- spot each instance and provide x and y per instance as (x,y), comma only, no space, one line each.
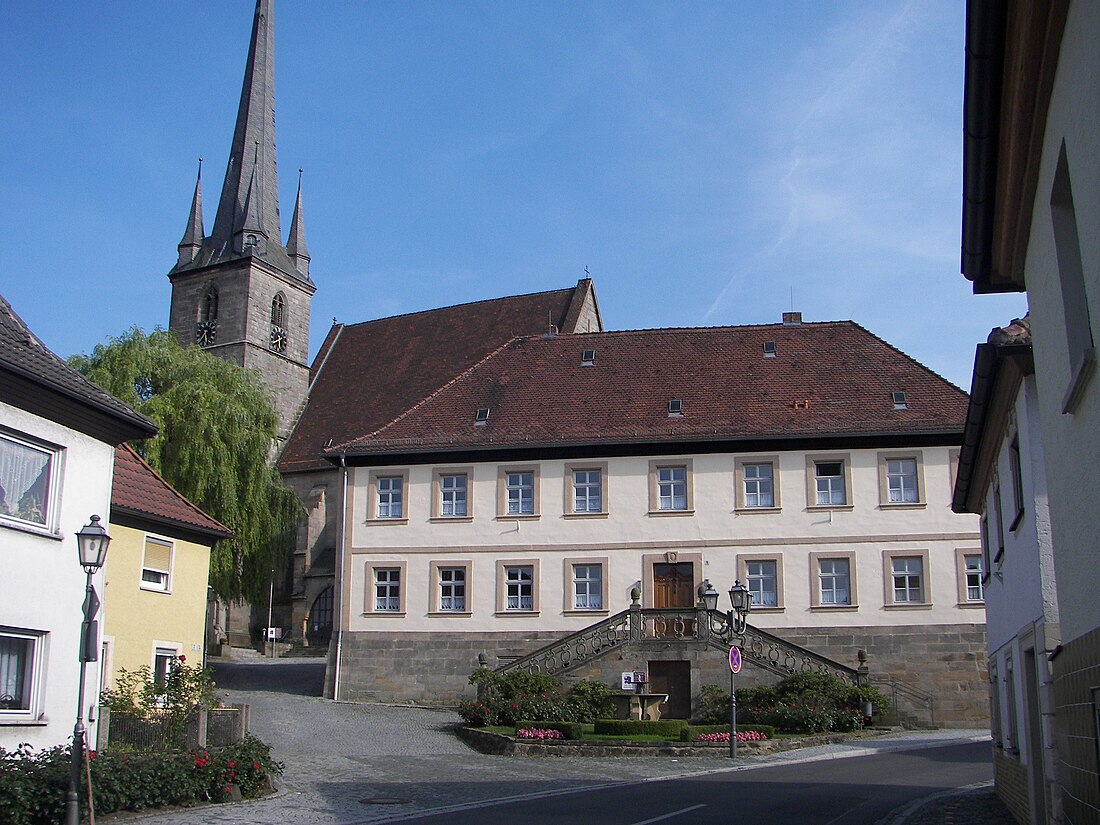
(735,659)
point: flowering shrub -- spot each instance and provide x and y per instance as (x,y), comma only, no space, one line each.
(538,733)
(742,736)
(33,784)
(505,699)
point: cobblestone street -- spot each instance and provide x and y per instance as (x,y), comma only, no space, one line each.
(348,763)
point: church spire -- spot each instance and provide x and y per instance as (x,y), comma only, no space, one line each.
(251,182)
(191,243)
(296,247)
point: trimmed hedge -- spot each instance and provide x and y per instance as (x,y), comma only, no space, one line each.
(669,728)
(692,732)
(570,730)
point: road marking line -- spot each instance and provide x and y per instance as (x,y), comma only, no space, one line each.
(669,816)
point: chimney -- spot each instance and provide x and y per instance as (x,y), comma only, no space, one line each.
(792,319)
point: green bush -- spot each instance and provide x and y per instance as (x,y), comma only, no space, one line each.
(692,732)
(33,785)
(570,730)
(505,698)
(810,702)
(669,728)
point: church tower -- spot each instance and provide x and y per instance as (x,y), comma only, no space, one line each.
(238,292)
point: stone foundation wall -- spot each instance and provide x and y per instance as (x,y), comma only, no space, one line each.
(1010,780)
(434,668)
(1076,675)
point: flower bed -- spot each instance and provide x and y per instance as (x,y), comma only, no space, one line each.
(543,734)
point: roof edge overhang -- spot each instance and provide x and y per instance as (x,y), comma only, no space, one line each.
(129,517)
(991,384)
(435,453)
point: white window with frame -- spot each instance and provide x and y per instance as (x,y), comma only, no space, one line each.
(452,495)
(28,482)
(834,578)
(587,587)
(587,491)
(908,578)
(901,481)
(762,579)
(390,497)
(21,674)
(975,589)
(520,491)
(387,589)
(165,660)
(156,565)
(452,589)
(759,486)
(671,488)
(519,587)
(971,575)
(829,484)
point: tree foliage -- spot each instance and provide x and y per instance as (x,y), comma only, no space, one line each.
(217,426)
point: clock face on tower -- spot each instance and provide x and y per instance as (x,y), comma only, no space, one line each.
(205,333)
(278,339)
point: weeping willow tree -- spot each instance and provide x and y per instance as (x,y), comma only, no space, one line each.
(217,426)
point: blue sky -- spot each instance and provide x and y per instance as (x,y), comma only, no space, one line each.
(710,162)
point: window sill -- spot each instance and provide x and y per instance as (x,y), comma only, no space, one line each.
(757,510)
(517,613)
(34,531)
(154,590)
(1017,520)
(601,514)
(820,508)
(909,606)
(451,519)
(970,605)
(397,614)
(25,722)
(373,522)
(519,516)
(1082,372)
(833,608)
(455,613)
(903,505)
(662,513)
(573,611)
(770,608)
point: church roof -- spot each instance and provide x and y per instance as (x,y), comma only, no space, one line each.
(140,492)
(367,374)
(33,378)
(827,381)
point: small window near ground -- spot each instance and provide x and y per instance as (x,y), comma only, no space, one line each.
(19,674)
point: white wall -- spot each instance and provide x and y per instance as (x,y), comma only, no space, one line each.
(42,587)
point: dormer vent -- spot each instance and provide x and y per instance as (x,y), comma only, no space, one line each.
(588,358)
(770,350)
(481,417)
(675,408)
(792,319)
(900,402)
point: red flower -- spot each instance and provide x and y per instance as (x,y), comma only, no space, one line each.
(183,658)
(255,766)
(92,754)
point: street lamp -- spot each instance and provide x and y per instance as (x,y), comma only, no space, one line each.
(741,602)
(91,545)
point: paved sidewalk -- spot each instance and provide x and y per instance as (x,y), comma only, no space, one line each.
(350,763)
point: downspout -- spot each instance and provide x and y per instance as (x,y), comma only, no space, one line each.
(339,592)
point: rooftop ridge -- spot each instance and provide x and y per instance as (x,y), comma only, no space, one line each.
(462,306)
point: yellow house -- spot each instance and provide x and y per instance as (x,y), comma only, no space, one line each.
(157,571)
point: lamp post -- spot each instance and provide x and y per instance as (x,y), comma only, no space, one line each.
(91,543)
(741,604)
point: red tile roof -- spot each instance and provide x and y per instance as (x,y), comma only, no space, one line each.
(140,491)
(831,379)
(365,375)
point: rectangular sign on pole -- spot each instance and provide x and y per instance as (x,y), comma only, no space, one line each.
(633,678)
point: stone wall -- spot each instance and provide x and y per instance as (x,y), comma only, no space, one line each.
(434,668)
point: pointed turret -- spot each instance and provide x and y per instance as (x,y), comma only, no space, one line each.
(296,247)
(250,238)
(191,243)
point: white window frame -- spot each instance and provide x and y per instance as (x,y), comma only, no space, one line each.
(448,494)
(745,566)
(818,578)
(901,480)
(32,678)
(594,588)
(667,490)
(380,496)
(53,461)
(836,483)
(969,577)
(510,586)
(372,581)
(512,480)
(892,576)
(164,585)
(438,571)
(169,652)
(586,490)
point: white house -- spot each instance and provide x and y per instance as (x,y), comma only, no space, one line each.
(58,434)
(1031,203)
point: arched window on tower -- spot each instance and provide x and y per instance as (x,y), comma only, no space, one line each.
(206,330)
(278,323)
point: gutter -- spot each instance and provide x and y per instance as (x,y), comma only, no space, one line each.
(338,593)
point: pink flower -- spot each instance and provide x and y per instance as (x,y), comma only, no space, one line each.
(183,658)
